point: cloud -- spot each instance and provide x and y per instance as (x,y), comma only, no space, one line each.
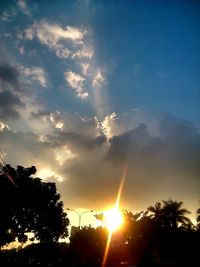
(36,74)
(26,149)
(85,52)
(76,142)
(54,32)
(9,78)
(107,125)
(90,167)
(85,68)
(62,52)
(9,105)
(17,99)
(28,34)
(158,166)
(52,118)
(10,93)
(23,7)
(3,126)
(76,82)
(98,79)
(130,120)
(71,122)
(47,174)
(54,37)
(21,50)
(8,15)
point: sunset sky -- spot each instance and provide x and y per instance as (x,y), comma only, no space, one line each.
(89,88)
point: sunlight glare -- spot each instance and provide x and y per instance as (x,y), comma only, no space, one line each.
(113,219)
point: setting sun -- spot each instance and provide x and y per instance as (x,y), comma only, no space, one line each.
(113,219)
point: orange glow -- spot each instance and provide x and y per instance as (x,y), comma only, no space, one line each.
(111,216)
(113,219)
(107,249)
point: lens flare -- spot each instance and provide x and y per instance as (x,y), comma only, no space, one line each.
(115,211)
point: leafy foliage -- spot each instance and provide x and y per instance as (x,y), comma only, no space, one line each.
(32,206)
(170,214)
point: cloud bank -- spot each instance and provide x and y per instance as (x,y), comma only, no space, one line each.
(89,165)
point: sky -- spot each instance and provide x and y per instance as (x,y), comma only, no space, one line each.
(91,88)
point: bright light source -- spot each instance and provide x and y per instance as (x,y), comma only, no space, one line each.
(113,219)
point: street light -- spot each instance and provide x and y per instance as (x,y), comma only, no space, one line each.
(80,214)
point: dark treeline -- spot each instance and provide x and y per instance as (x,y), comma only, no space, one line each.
(163,235)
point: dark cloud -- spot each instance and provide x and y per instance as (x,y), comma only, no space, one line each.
(129,144)
(9,77)
(72,123)
(10,93)
(76,142)
(9,105)
(26,149)
(159,167)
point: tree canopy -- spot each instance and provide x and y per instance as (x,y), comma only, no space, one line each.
(32,206)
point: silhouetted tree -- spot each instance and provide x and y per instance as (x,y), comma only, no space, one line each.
(33,206)
(87,246)
(174,213)
(173,232)
(198,219)
(156,211)
(170,214)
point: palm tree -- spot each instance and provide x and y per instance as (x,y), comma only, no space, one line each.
(175,214)
(156,211)
(169,214)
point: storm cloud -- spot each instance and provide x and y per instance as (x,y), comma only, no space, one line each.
(10,93)
(9,105)
(156,165)
(159,167)
(9,76)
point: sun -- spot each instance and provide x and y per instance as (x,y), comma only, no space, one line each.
(113,219)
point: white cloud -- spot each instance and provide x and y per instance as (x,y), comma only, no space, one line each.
(76,81)
(55,120)
(107,125)
(72,122)
(23,6)
(28,34)
(98,79)
(8,35)
(85,68)
(62,154)
(85,52)
(117,124)
(3,126)
(36,74)
(8,15)
(52,35)
(46,173)
(54,32)
(62,52)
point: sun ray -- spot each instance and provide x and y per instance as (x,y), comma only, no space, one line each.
(115,207)
(107,249)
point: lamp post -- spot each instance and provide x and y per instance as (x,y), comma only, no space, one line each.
(80,214)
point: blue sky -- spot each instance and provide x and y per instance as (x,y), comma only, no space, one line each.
(87,87)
